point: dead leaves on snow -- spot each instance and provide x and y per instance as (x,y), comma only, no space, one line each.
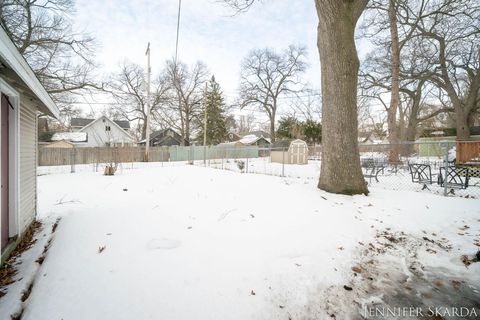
(357,269)
(466,260)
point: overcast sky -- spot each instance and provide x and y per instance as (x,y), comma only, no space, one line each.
(208,33)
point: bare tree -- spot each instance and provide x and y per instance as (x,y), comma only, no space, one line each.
(308,105)
(402,58)
(44,35)
(266,76)
(128,89)
(246,124)
(448,33)
(381,27)
(340,171)
(186,92)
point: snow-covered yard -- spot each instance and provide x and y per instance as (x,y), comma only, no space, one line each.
(187,242)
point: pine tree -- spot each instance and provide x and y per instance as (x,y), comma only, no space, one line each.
(289,128)
(216,118)
(312,131)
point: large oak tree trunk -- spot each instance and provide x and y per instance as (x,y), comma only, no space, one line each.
(340,169)
(395,88)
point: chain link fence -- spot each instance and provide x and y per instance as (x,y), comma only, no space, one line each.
(441,167)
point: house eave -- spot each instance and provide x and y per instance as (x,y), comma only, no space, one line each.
(15,69)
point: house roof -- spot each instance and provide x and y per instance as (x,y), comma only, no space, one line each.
(82,122)
(124,124)
(259,133)
(70,136)
(16,70)
(157,133)
(251,139)
(111,121)
(177,137)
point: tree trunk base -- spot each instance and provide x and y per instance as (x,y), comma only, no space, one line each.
(342,189)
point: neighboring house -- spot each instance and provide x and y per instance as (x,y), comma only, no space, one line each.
(233,144)
(22,99)
(370,138)
(253,140)
(289,152)
(103,132)
(165,137)
(232,137)
(78,123)
(448,132)
(260,133)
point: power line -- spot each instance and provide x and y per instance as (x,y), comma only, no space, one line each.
(228,96)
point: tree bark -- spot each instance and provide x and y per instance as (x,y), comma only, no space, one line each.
(144,129)
(395,86)
(340,169)
(272,125)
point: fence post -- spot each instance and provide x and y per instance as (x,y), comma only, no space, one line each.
(204,155)
(283,162)
(247,163)
(72,160)
(445,189)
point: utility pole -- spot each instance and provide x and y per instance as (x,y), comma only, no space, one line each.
(205,125)
(147,135)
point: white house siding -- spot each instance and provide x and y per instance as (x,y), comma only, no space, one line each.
(27,166)
(98,137)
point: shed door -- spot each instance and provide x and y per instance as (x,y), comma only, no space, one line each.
(304,155)
(4,169)
(293,153)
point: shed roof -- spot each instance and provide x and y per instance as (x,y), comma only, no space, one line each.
(284,143)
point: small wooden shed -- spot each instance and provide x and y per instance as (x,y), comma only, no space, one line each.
(289,152)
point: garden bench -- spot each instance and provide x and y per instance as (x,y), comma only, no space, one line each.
(455,178)
(371,169)
(422,174)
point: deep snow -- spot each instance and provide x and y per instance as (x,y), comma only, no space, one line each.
(188,242)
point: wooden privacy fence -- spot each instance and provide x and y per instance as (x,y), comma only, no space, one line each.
(468,153)
(68,156)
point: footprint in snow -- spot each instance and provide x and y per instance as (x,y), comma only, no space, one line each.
(163,244)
